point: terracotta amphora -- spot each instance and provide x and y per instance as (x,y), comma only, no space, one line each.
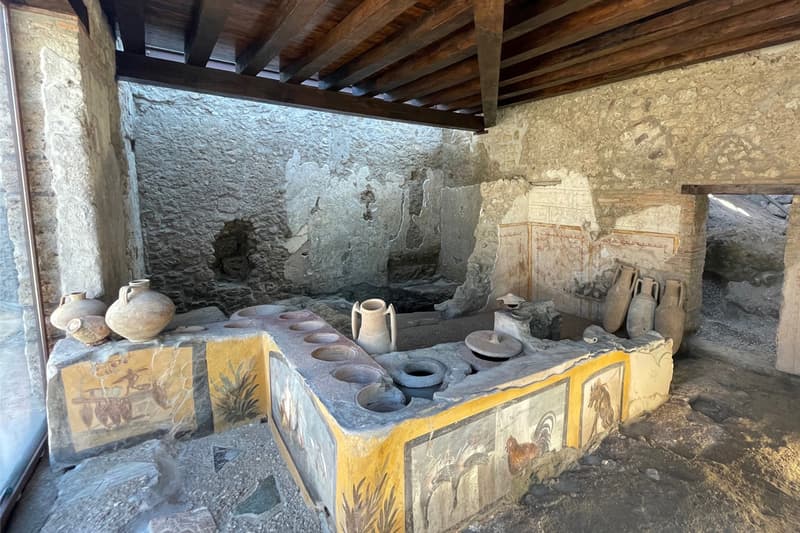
(643,307)
(619,298)
(91,329)
(670,314)
(140,314)
(75,305)
(372,333)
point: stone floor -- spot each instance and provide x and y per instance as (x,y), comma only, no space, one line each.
(722,455)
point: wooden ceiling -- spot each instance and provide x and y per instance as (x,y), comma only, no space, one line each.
(444,62)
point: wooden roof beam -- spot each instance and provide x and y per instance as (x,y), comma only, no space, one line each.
(369,17)
(208,19)
(780,35)
(584,24)
(534,15)
(130,19)
(744,188)
(438,23)
(162,73)
(440,55)
(489,36)
(440,80)
(287,22)
(758,20)
(637,34)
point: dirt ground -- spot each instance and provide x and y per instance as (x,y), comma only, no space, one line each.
(722,455)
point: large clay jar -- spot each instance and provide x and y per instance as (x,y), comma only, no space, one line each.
(75,305)
(643,307)
(140,314)
(670,314)
(372,333)
(619,298)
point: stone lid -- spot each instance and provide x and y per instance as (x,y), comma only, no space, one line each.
(492,344)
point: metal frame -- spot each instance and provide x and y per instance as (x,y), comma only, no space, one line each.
(7,505)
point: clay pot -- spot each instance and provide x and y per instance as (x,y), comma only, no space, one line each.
(140,314)
(619,298)
(75,305)
(643,307)
(373,335)
(91,330)
(670,314)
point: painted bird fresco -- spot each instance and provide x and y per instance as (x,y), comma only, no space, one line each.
(600,402)
(521,455)
(450,471)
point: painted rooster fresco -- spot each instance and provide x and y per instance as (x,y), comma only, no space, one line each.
(521,455)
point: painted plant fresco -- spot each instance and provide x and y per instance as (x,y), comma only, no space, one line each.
(459,470)
(371,509)
(237,382)
(601,403)
(304,432)
(128,395)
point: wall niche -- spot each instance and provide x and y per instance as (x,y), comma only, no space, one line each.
(232,247)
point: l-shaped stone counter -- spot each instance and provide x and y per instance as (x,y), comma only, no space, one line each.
(363,458)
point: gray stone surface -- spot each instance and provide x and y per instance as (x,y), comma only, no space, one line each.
(196,521)
(159,483)
(333,201)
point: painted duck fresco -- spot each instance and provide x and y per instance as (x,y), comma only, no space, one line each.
(450,471)
(521,455)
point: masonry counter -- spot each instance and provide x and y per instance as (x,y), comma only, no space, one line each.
(368,452)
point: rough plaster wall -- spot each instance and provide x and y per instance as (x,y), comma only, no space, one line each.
(625,148)
(788,332)
(334,201)
(74,152)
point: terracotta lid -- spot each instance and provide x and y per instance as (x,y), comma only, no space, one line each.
(492,344)
(510,300)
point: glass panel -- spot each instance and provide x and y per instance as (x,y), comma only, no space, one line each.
(22,414)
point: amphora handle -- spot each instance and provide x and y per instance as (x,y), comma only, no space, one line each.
(393,326)
(354,319)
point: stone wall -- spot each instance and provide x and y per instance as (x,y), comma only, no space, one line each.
(85,225)
(244,202)
(585,173)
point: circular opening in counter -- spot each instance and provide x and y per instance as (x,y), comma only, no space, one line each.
(293,315)
(419,373)
(321,338)
(309,325)
(259,310)
(240,324)
(189,329)
(362,374)
(334,353)
(381,398)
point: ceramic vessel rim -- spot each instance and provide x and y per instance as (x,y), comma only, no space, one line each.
(369,305)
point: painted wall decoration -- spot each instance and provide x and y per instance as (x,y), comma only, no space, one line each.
(455,472)
(531,427)
(236,382)
(601,402)
(305,434)
(371,509)
(129,394)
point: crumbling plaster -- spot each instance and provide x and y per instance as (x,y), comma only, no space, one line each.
(85,224)
(334,201)
(613,158)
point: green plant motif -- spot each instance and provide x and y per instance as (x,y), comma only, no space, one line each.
(371,509)
(235,396)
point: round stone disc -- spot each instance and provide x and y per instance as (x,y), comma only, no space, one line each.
(492,344)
